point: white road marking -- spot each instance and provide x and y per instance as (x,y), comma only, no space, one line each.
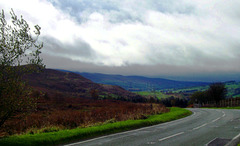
(210,141)
(167,123)
(200,126)
(162,139)
(151,142)
(211,121)
(236,137)
(223,114)
(215,120)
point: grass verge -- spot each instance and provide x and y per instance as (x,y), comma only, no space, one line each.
(66,136)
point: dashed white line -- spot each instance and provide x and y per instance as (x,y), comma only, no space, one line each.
(200,126)
(223,114)
(215,120)
(151,143)
(162,139)
(167,123)
(211,121)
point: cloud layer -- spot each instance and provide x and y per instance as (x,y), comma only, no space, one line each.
(178,37)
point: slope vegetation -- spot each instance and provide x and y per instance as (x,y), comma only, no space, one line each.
(58,83)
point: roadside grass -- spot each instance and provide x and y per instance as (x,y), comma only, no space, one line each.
(237,107)
(66,136)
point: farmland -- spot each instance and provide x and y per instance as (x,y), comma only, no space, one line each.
(156,94)
(233,89)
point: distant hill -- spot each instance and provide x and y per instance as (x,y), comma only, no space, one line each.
(139,83)
(67,84)
(233,89)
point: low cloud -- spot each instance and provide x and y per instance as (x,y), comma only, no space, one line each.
(77,50)
(150,38)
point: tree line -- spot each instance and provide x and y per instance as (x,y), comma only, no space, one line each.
(215,93)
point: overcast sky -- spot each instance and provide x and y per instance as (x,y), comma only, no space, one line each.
(178,39)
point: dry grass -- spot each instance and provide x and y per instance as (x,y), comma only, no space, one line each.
(68,113)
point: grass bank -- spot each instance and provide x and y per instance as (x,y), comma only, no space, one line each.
(66,136)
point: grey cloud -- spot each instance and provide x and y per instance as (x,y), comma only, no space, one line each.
(122,11)
(148,37)
(79,48)
(171,52)
(154,37)
(163,71)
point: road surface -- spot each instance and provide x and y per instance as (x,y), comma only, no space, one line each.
(202,127)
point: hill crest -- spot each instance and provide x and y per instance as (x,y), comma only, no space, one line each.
(55,83)
(140,83)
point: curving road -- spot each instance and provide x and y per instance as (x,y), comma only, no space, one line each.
(202,127)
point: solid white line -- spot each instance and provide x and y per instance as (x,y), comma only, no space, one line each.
(162,139)
(210,141)
(167,123)
(236,136)
(200,126)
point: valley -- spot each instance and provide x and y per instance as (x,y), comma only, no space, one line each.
(119,72)
(139,83)
(67,100)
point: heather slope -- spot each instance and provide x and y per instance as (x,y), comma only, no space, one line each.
(71,84)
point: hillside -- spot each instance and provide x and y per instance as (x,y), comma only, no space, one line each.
(68,100)
(62,84)
(139,83)
(233,89)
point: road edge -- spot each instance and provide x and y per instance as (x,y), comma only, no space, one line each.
(69,136)
(235,141)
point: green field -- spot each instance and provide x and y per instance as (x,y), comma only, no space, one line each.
(233,89)
(157,94)
(191,89)
(67,136)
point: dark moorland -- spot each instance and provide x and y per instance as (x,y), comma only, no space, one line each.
(68,100)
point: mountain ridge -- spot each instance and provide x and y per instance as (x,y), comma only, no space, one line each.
(138,83)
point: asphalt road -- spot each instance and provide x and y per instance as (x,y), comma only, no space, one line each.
(203,126)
